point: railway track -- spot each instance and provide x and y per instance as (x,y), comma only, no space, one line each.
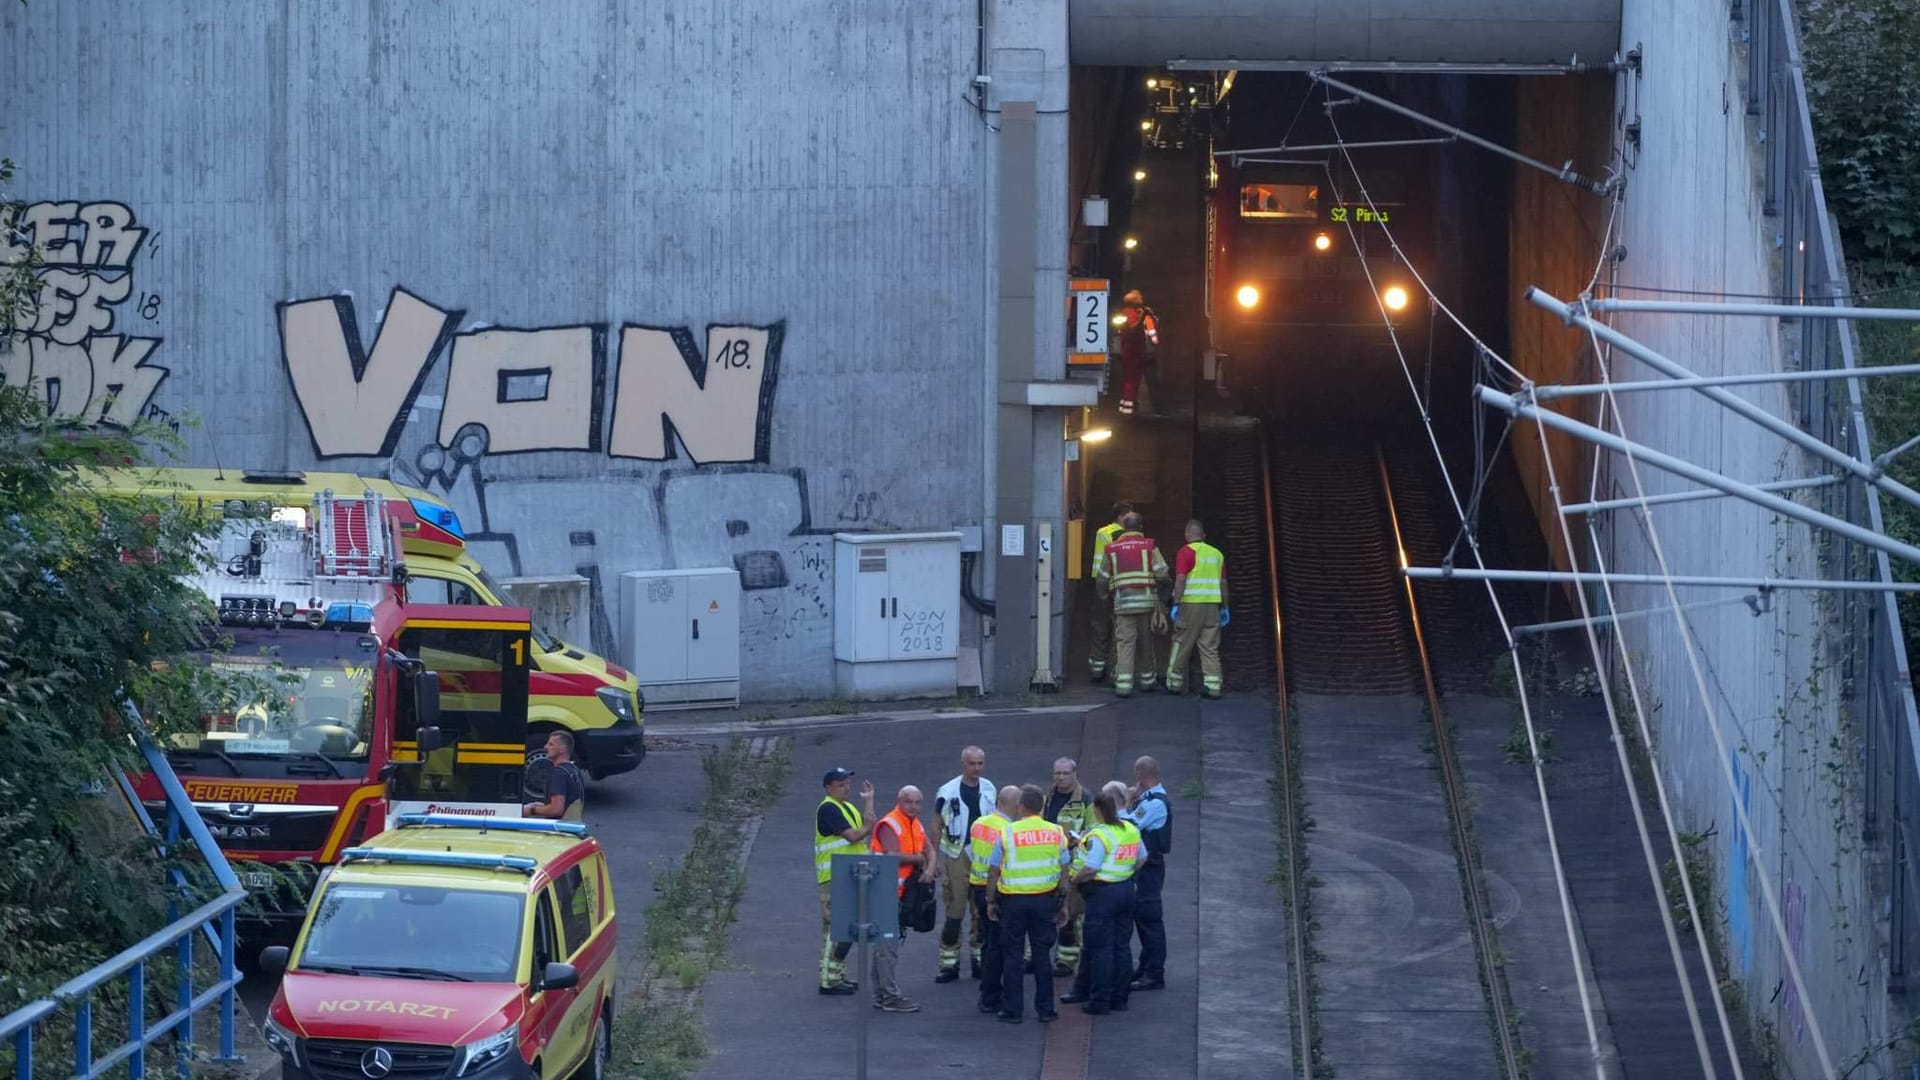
(1401,928)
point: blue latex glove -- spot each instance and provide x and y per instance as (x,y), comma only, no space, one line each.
(1225,616)
(1175,614)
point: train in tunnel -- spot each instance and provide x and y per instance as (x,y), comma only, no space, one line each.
(1308,245)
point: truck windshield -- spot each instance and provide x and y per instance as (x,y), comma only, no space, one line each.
(307,708)
(414,931)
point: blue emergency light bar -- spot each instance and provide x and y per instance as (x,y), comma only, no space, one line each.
(442,858)
(457,821)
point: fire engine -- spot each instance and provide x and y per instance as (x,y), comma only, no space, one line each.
(359,706)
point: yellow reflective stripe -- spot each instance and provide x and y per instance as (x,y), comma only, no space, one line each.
(489,757)
(456,624)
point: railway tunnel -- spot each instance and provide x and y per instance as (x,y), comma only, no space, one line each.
(1331,276)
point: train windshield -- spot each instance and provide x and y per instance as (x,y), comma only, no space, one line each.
(1280,202)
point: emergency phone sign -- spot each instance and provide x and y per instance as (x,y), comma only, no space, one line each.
(1092,309)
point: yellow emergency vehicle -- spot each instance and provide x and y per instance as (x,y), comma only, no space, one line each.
(448,947)
(571,689)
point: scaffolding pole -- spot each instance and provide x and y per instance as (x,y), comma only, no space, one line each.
(1689,496)
(1668,463)
(1778,311)
(1759,604)
(1748,409)
(1334,146)
(1548,393)
(1591,577)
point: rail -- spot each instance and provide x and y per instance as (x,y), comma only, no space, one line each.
(214,919)
(1478,910)
(1876,681)
(1291,840)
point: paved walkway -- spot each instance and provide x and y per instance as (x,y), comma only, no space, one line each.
(1221,1018)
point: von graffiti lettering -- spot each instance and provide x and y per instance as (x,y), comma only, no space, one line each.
(69,348)
(524,390)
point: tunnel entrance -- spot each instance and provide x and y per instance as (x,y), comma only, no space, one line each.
(1330,279)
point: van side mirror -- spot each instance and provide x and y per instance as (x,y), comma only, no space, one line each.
(431,739)
(273,960)
(559,977)
(426,697)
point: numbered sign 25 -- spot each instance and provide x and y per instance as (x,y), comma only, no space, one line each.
(1090,322)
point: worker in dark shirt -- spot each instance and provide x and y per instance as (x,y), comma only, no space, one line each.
(566,788)
(838,828)
(1069,805)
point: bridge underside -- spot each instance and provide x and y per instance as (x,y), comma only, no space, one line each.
(1245,32)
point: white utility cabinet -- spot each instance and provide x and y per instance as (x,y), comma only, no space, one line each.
(896,614)
(681,635)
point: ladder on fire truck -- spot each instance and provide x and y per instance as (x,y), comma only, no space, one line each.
(318,564)
(350,537)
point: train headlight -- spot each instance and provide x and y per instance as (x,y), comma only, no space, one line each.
(1322,242)
(1395,297)
(1247,296)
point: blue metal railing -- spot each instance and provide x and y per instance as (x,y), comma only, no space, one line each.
(1878,685)
(213,919)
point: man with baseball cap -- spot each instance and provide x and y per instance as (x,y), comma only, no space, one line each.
(837,828)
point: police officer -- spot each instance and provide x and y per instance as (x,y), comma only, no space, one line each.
(837,828)
(1150,812)
(1199,611)
(1026,878)
(1104,872)
(980,841)
(1100,653)
(1067,807)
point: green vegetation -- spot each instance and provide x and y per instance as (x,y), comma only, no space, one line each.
(1863,77)
(657,1033)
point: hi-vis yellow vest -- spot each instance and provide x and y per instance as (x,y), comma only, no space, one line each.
(986,829)
(1031,864)
(1203,581)
(825,847)
(1122,843)
(1101,539)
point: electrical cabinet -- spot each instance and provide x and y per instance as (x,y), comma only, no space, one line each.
(681,635)
(896,614)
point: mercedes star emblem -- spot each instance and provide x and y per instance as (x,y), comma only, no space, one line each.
(376,1063)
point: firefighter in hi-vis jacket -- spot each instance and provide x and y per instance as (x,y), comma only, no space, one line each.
(1139,337)
(1132,570)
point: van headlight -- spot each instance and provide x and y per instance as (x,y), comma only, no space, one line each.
(480,1053)
(281,1041)
(618,702)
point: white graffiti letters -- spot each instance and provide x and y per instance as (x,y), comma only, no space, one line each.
(713,404)
(514,391)
(531,389)
(66,347)
(354,402)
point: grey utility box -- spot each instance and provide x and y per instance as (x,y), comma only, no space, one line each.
(681,636)
(896,614)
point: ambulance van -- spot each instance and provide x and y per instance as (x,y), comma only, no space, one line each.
(595,700)
(453,948)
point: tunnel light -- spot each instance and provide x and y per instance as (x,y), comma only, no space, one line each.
(1139,175)
(1153,84)
(1247,296)
(1098,434)
(1322,242)
(1119,320)
(1130,243)
(1396,298)
(1146,125)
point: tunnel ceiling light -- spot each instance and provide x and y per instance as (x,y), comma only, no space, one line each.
(1153,84)
(1130,243)
(1098,434)
(1119,320)
(1396,298)
(1139,175)
(1146,125)
(1247,296)
(1322,242)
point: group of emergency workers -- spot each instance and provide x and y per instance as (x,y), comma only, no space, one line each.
(1057,881)
(1129,574)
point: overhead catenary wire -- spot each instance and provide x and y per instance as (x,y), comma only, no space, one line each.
(1755,847)
(1506,630)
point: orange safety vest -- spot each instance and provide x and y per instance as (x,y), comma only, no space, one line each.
(913,841)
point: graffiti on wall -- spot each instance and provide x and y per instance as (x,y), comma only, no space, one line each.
(607,402)
(520,390)
(86,345)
